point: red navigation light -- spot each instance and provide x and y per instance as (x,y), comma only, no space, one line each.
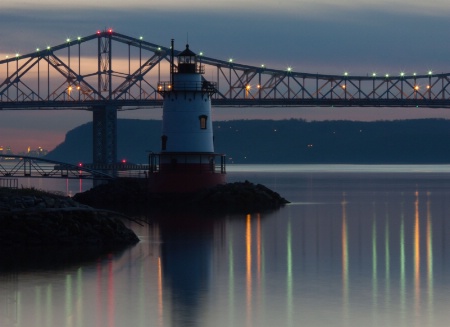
(110,30)
(98,32)
(80,164)
(124,161)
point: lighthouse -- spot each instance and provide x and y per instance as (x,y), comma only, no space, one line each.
(187,161)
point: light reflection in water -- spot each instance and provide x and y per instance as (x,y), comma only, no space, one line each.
(160,294)
(374,267)
(357,259)
(387,259)
(69,315)
(248,242)
(289,275)
(345,258)
(416,253)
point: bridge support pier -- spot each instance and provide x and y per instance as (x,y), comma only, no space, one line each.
(105,135)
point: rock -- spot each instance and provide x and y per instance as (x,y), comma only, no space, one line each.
(46,219)
(239,197)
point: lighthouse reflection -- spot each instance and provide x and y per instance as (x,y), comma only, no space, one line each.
(186,255)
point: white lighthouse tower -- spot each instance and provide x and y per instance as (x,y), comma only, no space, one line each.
(187,161)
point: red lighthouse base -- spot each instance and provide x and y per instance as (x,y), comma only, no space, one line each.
(183,182)
(185,172)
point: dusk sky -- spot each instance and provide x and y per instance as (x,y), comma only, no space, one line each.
(317,36)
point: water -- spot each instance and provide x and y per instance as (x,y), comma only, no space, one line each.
(358,246)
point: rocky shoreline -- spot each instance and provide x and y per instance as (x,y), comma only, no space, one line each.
(30,217)
(239,197)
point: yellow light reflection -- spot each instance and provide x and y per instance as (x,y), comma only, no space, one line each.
(344,236)
(417,254)
(248,239)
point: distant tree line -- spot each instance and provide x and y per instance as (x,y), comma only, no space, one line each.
(285,141)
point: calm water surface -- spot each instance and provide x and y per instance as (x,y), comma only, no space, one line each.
(358,246)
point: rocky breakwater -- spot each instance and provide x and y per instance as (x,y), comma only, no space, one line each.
(30,217)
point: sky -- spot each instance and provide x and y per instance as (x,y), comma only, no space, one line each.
(315,36)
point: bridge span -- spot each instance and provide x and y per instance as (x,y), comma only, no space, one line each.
(24,166)
(107,72)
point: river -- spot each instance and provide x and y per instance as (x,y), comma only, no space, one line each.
(357,246)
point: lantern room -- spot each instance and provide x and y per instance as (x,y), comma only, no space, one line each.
(187,61)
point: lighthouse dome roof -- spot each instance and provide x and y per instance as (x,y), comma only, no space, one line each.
(186,52)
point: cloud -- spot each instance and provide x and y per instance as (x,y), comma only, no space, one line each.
(337,39)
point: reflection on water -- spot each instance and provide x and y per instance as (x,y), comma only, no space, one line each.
(352,250)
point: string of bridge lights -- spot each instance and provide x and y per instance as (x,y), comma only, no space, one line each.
(230,60)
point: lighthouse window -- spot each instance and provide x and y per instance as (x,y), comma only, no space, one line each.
(203,119)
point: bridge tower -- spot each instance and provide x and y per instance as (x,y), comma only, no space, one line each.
(187,161)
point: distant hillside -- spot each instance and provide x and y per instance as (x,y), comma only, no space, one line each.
(285,141)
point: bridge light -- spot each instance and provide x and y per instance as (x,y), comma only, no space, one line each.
(430,72)
(402,74)
(68,40)
(17,55)
(345,74)
(248,87)
(37,49)
(48,47)
(141,37)
(374,74)
(201,53)
(230,60)
(414,74)
(387,75)
(7,57)
(428,87)
(343,86)
(159,48)
(289,69)
(416,88)
(79,38)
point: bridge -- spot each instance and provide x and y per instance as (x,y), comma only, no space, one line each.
(24,166)
(107,72)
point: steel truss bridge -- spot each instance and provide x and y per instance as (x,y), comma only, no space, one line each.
(24,166)
(107,71)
